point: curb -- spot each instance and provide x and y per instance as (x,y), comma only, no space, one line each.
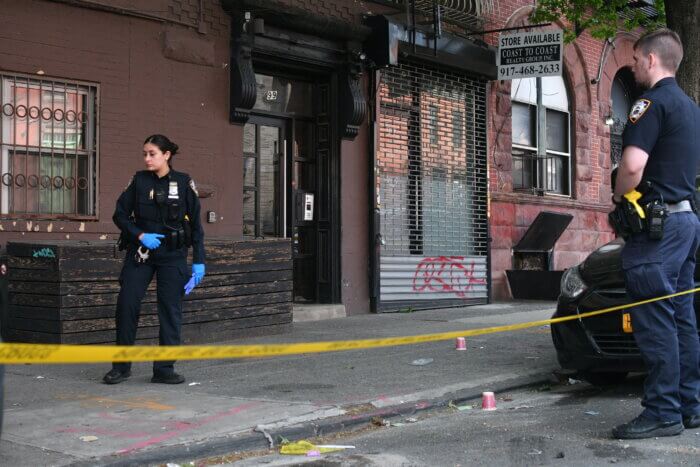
(256,441)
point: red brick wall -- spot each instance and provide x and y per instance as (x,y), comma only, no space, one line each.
(436,140)
(512,213)
(142,92)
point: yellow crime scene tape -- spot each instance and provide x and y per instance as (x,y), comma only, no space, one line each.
(61,353)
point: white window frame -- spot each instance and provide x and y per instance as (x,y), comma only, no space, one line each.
(8,146)
(539,185)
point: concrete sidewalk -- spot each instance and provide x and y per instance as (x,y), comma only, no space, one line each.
(62,414)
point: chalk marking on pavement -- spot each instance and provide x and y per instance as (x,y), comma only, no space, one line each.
(133,404)
(104,432)
(182,427)
(43,353)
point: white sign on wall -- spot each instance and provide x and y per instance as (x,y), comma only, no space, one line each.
(530,54)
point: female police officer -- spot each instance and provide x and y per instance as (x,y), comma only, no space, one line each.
(158,214)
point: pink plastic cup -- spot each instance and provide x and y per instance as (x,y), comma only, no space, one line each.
(461,343)
(488,401)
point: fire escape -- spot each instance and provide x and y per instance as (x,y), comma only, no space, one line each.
(461,18)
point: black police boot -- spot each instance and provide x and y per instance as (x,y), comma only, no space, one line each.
(642,427)
(168,378)
(693,421)
(115,376)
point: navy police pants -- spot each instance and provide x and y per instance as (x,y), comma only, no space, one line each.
(171,275)
(666,331)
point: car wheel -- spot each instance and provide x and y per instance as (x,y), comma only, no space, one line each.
(604,378)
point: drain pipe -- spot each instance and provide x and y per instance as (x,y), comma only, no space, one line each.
(608,42)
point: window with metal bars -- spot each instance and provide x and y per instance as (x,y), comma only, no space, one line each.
(48,147)
(540,167)
(622,94)
(431,162)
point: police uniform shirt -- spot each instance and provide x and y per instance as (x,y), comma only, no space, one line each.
(665,123)
(149,216)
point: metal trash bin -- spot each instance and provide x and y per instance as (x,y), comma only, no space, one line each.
(532,277)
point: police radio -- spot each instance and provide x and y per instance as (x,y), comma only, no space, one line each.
(655,223)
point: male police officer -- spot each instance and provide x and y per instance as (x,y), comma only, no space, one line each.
(662,150)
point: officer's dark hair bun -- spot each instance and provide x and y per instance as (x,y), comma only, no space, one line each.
(163,143)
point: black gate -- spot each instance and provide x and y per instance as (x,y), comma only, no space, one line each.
(431,185)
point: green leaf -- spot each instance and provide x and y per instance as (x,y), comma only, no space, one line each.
(602,18)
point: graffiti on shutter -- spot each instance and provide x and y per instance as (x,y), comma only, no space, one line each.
(432,184)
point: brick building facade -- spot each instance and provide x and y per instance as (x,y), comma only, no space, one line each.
(218,81)
(512,210)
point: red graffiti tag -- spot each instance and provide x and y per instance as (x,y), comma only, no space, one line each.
(445,274)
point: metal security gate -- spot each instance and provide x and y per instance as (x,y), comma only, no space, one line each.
(431,188)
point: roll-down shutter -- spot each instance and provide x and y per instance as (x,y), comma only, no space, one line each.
(431,183)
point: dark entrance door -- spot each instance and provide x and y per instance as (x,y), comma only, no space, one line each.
(306,250)
(287,181)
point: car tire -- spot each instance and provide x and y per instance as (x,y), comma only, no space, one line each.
(604,378)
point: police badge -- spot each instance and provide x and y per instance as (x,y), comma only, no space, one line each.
(638,109)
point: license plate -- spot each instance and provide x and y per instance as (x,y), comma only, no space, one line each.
(627,323)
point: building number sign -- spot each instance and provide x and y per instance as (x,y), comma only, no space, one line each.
(271,96)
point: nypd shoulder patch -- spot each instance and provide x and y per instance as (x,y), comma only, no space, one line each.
(194,187)
(638,109)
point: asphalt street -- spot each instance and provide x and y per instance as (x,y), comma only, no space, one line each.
(561,425)
(63,415)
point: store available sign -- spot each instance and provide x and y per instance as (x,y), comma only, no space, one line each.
(530,54)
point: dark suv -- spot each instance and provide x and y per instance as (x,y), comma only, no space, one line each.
(602,347)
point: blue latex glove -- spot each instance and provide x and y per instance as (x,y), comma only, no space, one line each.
(197,273)
(189,286)
(151,241)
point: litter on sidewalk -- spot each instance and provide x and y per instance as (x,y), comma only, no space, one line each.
(422,361)
(461,408)
(305,448)
(379,421)
(267,436)
(488,401)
